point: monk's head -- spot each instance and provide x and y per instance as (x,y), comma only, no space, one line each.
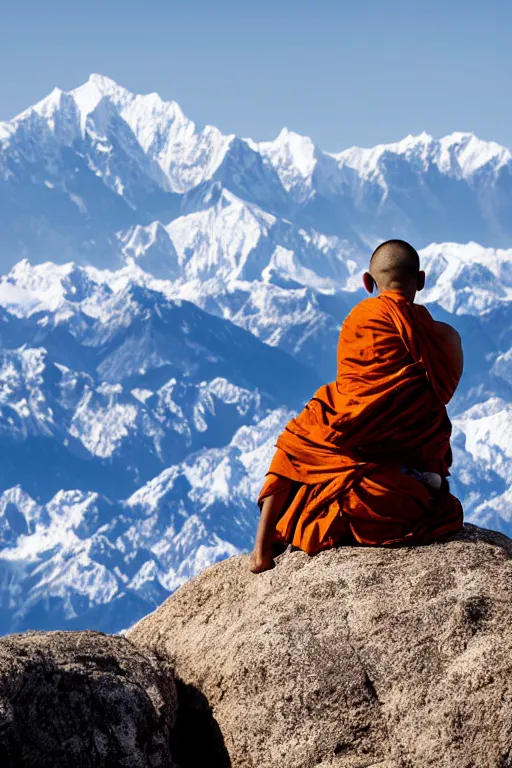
(395,266)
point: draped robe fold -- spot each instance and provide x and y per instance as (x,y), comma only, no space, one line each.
(345,453)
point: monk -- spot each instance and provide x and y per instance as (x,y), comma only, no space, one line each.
(366,461)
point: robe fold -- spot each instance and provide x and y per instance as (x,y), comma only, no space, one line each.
(342,460)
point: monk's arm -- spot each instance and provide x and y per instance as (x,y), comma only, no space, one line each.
(452,339)
(271,509)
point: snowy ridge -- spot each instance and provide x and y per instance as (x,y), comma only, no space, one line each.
(460,155)
(467,279)
(84,549)
(113,176)
(165,135)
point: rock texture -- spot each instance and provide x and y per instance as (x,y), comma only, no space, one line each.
(354,658)
(83,699)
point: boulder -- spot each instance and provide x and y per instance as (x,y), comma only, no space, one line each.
(358,657)
(83,699)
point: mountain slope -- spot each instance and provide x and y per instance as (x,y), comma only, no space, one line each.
(87,167)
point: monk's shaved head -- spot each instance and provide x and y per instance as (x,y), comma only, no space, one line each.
(395,264)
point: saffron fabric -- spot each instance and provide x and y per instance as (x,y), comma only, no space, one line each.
(342,458)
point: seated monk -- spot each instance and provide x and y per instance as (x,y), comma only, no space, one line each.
(367,459)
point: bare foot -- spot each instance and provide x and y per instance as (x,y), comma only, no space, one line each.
(260,563)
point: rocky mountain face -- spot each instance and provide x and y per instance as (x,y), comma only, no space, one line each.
(171,296)
(84,698)
(358,657)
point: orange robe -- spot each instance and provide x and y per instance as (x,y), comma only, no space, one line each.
(345,451)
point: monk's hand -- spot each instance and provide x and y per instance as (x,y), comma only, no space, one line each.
(259,563)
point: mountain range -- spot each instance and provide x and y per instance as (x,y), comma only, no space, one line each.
(171,296)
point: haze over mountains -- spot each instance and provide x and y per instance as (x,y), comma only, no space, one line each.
(163,285)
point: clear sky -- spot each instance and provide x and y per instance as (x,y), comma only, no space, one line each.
(341,71)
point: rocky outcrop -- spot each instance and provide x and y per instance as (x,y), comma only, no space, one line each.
(357,657)
(83,699)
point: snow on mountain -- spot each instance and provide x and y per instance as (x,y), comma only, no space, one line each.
(98,166)
(172,296)
(160,131)
(221,239)
(468,278)
(233,240)
(80,552)
(113,400)
(460,155)
(294,159)
(503,366)
(487,427)
(185,155)
(21,398)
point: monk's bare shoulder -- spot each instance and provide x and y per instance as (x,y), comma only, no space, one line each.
(449,333)
(451,337)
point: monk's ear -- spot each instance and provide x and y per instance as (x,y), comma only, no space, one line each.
(369,282)
(421,280)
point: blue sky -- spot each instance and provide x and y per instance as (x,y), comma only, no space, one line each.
(356,72)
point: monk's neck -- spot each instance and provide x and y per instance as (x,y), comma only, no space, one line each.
(398,292)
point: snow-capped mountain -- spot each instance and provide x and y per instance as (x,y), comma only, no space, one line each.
(84,170)
(171,296)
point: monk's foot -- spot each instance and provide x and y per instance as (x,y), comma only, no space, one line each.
(260,563)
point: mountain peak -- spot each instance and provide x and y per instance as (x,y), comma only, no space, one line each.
(293,156)
(88,95)
(467,153)
(104,86)
(46,107)
(459,154)
(291,138)
(413,140)
(102,82)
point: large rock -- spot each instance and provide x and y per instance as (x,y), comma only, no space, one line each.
(83,700)
(390,658)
